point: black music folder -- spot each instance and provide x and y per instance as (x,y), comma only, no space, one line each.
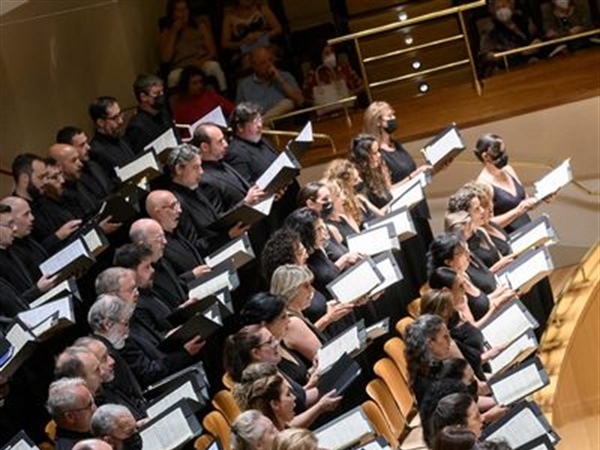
(356,282)
(202,324)
(67,287)
(72,260)
(375,240)
(507,324)
(144,166)
(223,276)
(402,221)
(444,147)
(345,431)
(23,343)
(194,372)
(189,390)
(280,173)
(519,382)
(172,429)
(339,376)
(244,213)
(302,142)
(21,441)
(239,251)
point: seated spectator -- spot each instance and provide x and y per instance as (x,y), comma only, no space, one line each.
(274,90)
(296,439)
(248,24)
(116,425)
(194,99)
(71,405)
(566,19)
(185,41)
(511,28)
(252,430)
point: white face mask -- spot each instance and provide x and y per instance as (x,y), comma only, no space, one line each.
(564,4)
(330,60)
(116,337)
(503,14)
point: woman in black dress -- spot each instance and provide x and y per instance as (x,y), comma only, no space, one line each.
(380,121)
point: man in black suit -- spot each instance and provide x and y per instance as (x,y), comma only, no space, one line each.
(30,175)
(108,148)
(152,118)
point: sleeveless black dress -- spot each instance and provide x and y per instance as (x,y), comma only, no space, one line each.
(504,201)
(343,227)
(469,340)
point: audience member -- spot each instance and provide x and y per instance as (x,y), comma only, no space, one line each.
(274,90)
(566,19)
(116,425)
(253,431)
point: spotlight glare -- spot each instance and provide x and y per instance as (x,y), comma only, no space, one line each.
(408,40)
(416,64)
(402,16)
(423,88)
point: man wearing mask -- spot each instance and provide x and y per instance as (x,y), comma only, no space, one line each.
(153,117)
(116,425)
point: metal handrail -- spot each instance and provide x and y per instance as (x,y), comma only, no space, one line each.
(414,48)
(298,112)
(419,74)
(323,136)
(407,22)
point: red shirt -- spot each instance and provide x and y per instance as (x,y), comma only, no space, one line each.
(189,109)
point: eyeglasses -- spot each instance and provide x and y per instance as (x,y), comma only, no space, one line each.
(116,117)
(90,405)
(10,225)
(173,205)
(271,342)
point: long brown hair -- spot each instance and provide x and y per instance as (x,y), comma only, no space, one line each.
(340,172)
(378,178)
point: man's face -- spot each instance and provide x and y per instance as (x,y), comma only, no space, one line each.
(149,97)
(71,164)
(262,64)
(81,143)
(155,237)
(168,213)
(112,124)
(7,230)
(22,218)
(56,181)
(216,149)
(39,177)
(125,427)
(145,273)
(79,416)
(191,172)
(107,363)
(128,288)
(93,373)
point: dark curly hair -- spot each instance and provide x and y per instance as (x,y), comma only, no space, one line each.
(442,249)
(489,142)
(309,192)
(279,250)
(438,390)
(420,362)
(377,179)
(455,437)
(303,222)
(450,410)
(442,277)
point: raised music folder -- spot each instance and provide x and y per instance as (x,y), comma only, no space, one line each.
(521,426)
(540,443)
(172,429)
(356,282)
(71,260)
(378,329)
(194,372)
(508,324)
(345,431)
(66,287)
(244,213)
(525,271)
(145,166)
(21,441)
(523,347)
(239,252)
(351,341)
(50,318)
(388,268)
(23,343)
(409,194)
(280,173)
(165,141)
(300,144)
(537,232)
(402,221)
(202,325)
(444,147)
(121,207)
(519,382)
(223,276)
(554,181)
(374,240)
(189,391)
(339,376)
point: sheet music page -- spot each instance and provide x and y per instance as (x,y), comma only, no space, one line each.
(538,233)
(507,356)
(348,342)
(372,241)
(211,286)
(186,390)
(507,327)
(164,141)
(378,329)
(18,337)
(138,165)
(60,260)
(344,432)
(361,281)
(449,141)
(213,315)
(537,264)
(517,386)
(92,240)
(264,206)
(409,198)
(64,286)
(215,116)
(283,160)
(58,308)
(551,183)
(402,222)
(306,135)
(22,445)
(374,445)
(387,268)
(168,432)
(236,247)
(519,430)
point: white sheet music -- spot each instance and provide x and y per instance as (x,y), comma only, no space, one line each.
(555,180)
(350,287)
(374,445)
(507,356)
(404,226)
(373,241)
(378,329)
(221,281)
(389,270)
(186,390)
(409,198)
(60,260)
(22,445)
(306,134)
(145,161)
(57,309)
(519,430)
(93,240)
(238,246)
(507,327)
(215,116)
(283,160)
(18,337)
(348,342)
(538,263)
(450,141)
(539,233)
(168,432)
(213,315)
(64,286)
(265,205)
(517,385)
(342,433)
(164,141)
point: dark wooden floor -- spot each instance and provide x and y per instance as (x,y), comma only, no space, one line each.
(524,89)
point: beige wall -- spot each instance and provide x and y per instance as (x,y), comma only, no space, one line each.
(55,56)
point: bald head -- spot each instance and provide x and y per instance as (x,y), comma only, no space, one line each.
(149,232)
(164,207)
(67,157)
(92,444)
(21,215)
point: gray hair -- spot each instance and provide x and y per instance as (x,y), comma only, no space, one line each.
(105,419)
(288,278)
(68,363)
(246,432)
(181,155)
(62,396)
(107,307)
(109,280)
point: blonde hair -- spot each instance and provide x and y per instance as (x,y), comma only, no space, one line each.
(340,171)
(455,222)
(288,278)
(483,191)
(372,118)
(295,439)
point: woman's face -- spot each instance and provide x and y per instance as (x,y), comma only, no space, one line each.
(460,259)
(323,196)
(284,406)
(266,440)
(300,254)
(181,12)
(476,212)
(195,85)
(474,422)
(278,326)
(486,206)
(304,295)
(338,202)
(267,349)
(458,290)
(439,345)
(321,233)
(374,155)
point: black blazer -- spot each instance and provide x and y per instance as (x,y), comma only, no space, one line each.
(110,152)
(224,186)
(168,286)
(144,127)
